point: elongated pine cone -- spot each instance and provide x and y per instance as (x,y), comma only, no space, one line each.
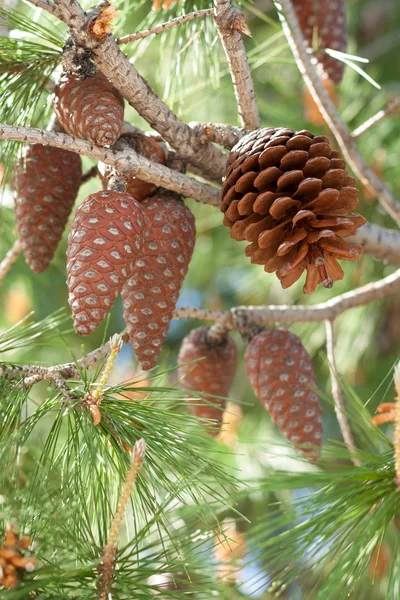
(90,109)
(323,23)
(145,146)
(212,373)
(150,295)
(105,240)
(281,374)
(47,184)
(288,193)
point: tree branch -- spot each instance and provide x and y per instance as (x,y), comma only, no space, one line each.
(337,394)
(123,75)
(377,241)
(47,6)
(10,259)
(392,106)
(342,134)
(231,25)
(239,317)
(139,35)
(219,133)
(128,162)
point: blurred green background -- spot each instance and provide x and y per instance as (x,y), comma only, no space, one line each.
(187,67)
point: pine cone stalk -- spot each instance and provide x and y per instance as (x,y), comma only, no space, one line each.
(47,183)
(289,195)
(145,146)
(149,297)
(105,240)
(281,374)
(207,368)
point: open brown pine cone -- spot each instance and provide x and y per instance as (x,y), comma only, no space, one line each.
(288,193)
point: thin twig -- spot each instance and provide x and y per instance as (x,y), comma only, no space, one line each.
(338,398)
(47,6)
(231,25)
(328,110)
(123,75)
(139,35)
(128,162)
(238,317)
(109,552)
(10,259)
(71,370)
(379,242)
(391,107)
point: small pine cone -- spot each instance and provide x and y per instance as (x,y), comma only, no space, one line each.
(90,109)
(47,184)
(147,147)
(150,295)
(281,374)
(212,373)
(105,240)
(323,22)
(288,193)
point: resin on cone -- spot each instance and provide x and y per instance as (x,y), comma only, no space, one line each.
(281,374)
(323,23)
(90,109)
(105,240)
(212,373)
(145,146)
(47,183)
(150,295)
(289,195)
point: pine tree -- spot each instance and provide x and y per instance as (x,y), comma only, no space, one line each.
(119,483)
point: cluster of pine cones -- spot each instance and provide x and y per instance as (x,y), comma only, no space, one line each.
(286,192)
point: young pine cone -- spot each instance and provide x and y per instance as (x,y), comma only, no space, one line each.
(47,184)
(288,193)
(105,240)
(323,23)
(90,109)
(145,146)
(150,295)
(212,373)
(281,374)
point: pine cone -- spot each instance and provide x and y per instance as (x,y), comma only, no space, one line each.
(212,373)
(47,184)
(90,109)
(281,374)
(105,240)
(145,146)
(324,22)
(289,195)
(150,295)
